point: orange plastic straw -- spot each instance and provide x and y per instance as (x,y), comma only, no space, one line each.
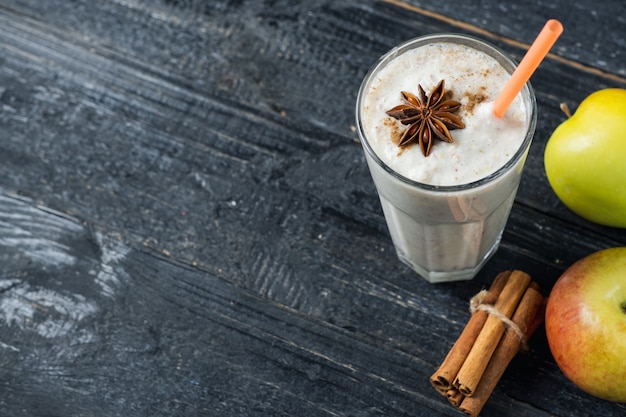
(536,53)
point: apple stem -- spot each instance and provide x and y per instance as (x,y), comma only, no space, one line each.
(623,305)
(565,109)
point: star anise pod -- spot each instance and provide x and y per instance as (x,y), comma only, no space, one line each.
(428,117)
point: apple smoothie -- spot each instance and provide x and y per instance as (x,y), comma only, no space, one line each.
(447,194)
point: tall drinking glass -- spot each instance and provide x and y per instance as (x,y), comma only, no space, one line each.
(445,232)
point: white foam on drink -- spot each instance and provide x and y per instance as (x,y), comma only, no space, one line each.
(475,79)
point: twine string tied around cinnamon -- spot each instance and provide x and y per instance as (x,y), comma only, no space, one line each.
(478,303)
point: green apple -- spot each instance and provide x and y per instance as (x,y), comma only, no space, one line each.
(585,158)
(586,323)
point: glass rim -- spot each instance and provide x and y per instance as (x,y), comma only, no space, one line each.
(470,41)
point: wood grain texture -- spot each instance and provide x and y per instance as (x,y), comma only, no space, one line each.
(188,226)
(519,22)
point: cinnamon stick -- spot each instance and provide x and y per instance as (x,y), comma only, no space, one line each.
(455,397)
(527,317)
(487,341)
(443,378)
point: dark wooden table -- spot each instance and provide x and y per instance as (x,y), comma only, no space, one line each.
(188,226)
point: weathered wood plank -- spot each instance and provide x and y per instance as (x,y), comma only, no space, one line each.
(599,49)
(188,341)
(184,125)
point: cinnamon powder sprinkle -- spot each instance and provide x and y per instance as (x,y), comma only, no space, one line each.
(396,134)
(474,99)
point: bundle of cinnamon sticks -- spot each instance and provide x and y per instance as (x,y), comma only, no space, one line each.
(503,319)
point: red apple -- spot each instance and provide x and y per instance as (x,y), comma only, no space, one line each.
(586,323)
